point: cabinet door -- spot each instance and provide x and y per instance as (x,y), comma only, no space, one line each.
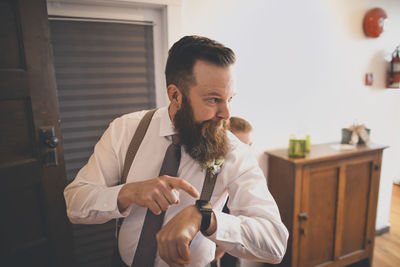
(319,200)
(338,211)
(359,208)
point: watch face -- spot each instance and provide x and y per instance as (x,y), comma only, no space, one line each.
(205,209)
(207,206)
(203,205)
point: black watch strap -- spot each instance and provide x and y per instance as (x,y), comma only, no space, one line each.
(205,209)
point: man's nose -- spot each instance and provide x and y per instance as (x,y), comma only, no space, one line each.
(224,111)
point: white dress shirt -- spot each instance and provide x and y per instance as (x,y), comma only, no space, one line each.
(253,230)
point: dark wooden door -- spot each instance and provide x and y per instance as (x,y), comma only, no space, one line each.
(34,229)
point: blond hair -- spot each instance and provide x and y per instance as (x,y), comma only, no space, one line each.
(237,124)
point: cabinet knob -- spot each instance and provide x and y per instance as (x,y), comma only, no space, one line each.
(377,167)
(303,216)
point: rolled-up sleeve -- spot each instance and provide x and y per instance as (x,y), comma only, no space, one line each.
(92,197)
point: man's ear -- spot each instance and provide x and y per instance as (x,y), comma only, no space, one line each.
(175,96)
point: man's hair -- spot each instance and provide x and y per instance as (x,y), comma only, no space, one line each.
(237,124)
(184,53)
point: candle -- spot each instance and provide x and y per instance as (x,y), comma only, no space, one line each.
(297,147)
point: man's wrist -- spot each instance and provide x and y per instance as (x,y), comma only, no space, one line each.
(123,198)
(213,226)
(208,221)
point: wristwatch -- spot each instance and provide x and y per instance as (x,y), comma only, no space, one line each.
(205,209)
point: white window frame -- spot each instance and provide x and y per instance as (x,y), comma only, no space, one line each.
(165,15)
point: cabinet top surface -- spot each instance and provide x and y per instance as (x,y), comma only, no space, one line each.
(326,151)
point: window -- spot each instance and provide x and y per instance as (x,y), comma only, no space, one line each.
(103,69)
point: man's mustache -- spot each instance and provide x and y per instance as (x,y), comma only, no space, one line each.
(212,125)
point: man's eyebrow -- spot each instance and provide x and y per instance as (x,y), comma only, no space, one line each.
(211,94)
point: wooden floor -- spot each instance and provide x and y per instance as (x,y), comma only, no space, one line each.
(387,246)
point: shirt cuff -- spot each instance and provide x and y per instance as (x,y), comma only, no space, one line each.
(108,202)
(227,234)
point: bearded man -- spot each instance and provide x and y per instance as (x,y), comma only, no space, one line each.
(199,87)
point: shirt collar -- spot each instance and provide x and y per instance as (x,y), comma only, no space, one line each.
(166,126)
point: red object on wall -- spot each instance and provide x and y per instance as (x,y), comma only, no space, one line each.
(369,79)
(374,21)
(394,70)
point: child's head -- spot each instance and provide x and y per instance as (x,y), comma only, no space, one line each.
(242,129)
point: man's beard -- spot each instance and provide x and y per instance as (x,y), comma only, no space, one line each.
(205,141)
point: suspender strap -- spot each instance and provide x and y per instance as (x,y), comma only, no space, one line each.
(135,143)
(132,150)
(208,185)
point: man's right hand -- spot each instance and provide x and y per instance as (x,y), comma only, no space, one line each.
(157,194)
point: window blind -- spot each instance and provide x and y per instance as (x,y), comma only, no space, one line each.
(103,70)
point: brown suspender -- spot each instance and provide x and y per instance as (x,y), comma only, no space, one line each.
(131,153)
(135,142)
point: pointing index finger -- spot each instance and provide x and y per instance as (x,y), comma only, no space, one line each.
(179,183)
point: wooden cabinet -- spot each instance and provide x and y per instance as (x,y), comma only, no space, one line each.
(327,201)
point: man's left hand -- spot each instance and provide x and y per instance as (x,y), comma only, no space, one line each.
(174,238)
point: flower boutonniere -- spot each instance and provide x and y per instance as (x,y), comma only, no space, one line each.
(215,166)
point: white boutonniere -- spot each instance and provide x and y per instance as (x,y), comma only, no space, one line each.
(215,166)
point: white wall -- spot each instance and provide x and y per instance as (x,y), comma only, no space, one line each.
(301,67)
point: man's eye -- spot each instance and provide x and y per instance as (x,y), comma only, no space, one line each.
(213,100)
